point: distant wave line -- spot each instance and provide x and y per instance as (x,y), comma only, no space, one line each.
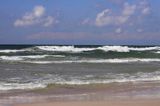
(116,60)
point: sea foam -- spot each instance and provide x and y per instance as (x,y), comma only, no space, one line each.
(43,82)
(19,58)
(11,51)
(123,60)
(103,48)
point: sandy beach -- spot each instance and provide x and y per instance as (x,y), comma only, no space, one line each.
(144,102)
(95,95)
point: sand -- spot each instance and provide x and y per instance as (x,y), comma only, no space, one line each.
(144,102)
(115,95)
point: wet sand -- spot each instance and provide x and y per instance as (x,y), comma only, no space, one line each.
(143,102)
(117,95)
(127,94)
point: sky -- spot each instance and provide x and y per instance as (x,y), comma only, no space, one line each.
(80,22)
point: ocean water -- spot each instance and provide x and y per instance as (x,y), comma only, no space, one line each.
(29,67)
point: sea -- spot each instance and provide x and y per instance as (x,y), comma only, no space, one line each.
(37,66)
(32,67)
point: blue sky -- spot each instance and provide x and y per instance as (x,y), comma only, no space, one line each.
(115,22)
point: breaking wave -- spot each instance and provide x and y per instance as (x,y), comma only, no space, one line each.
(103,48)
(78,49)
(158,52)
(19,58)
(123,60)
(82,80)
(11,51)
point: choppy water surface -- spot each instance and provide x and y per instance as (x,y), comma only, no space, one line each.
(30,67)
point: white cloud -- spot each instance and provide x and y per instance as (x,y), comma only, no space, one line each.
(144,7)
(107,17)
(118,30)
(104,18)
(49,21)
(128,9)
(36,16)
(146,11)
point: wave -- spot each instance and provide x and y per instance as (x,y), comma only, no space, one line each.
(103,48)
(20,58)
(112,78)
(82,80)
(158,52)
(123,60)
(127,49)
(75,49)
(12,51)
(145,48)
(35,60)
(64,48)
(14,86)
(11,58)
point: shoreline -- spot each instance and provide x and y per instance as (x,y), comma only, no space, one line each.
(87,95)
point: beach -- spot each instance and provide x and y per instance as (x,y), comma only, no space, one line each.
(100,103)
(128,94)
(80,53)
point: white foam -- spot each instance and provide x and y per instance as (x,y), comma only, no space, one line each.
(83,80)
(64,48)
(14,86)
(34,56)
(19,58)
(11,51)
(82,49)
(104,48)
(127,49)
(114,48)
(123,60)
(39,62)
(109,78)
(145,48)
(40,56)
(158,52)
(11,58)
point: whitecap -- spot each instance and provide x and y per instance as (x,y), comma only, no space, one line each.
(20,58)
(158,52)
(116,60)
(11,58)
(11,51)
(103,48)
(14,86)
(114,48)
(64,48)
(83,80)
